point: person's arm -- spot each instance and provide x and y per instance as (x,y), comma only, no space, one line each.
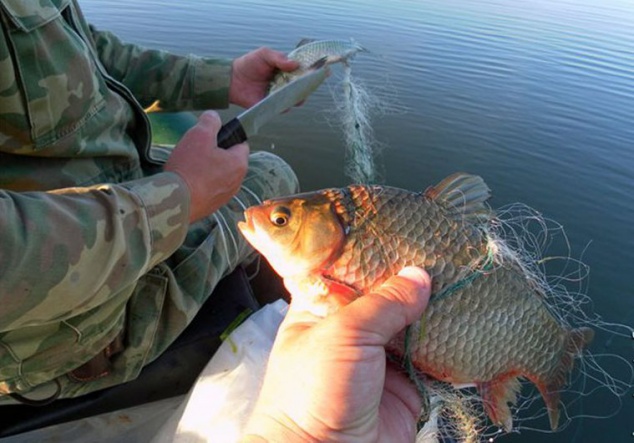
(66,251)
(178,82)
(328,379)
(189,82)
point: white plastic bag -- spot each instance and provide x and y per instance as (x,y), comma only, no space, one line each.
(224,395)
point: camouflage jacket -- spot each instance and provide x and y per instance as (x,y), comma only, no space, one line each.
(82,223)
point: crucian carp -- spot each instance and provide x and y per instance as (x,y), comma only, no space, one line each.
(487,322)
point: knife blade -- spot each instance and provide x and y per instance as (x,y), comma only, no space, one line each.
(249,122)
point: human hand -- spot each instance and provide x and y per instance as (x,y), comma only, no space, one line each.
(328,379)
(252,74)
(213,175)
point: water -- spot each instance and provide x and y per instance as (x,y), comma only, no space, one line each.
(537,97)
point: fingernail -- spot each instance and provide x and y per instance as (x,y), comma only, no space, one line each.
(415,274)
(208,115)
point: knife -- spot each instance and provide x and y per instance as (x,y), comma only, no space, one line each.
(248,122)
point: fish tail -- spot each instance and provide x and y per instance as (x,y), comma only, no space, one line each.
(357,46)
(576,341)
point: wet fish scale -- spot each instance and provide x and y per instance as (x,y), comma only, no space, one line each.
(515,333)
(507,337)
(410,231)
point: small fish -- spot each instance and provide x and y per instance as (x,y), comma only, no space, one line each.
(315,54)
(487,322)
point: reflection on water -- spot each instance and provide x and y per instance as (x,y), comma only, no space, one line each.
(537,97)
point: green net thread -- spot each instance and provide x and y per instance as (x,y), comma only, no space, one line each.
(487,265)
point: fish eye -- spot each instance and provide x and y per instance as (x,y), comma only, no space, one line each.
(280,216)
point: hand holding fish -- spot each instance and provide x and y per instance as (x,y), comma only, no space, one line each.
(335,245)
(213,175)
(252,74)
(328,379)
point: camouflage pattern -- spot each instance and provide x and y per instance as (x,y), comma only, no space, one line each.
(95,237)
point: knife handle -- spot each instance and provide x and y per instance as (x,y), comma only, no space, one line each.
(231,134)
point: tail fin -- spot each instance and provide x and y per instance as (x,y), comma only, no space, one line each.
(576,341)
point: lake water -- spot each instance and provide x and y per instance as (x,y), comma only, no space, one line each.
(535,96)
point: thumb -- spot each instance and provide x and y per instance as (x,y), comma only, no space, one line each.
(210,121)
(386,311)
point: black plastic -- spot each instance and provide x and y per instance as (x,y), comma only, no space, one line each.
(231,134)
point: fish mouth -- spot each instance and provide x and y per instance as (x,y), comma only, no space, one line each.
(246,226)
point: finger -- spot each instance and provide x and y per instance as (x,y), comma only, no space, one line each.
(400,406)
(381,314)
(399,384)
(286,64)
(240,151)
(210,120)
(279,60)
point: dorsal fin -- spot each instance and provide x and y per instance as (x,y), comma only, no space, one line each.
(305,41)
(463,194)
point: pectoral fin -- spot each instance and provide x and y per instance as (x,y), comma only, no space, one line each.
(339,293)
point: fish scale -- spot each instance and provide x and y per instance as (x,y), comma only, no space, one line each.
(478,311)
(487,322)
(406,235)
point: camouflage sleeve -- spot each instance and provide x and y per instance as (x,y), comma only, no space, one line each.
(67,251)
(179,82)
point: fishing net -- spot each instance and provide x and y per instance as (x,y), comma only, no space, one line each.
(523,237)
(518,236)
(361,147)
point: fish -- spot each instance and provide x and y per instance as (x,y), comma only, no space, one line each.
(315,54)
(488,322)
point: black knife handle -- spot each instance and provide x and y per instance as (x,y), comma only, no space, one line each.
(231,134)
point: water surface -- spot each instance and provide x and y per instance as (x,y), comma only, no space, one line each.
(537,97)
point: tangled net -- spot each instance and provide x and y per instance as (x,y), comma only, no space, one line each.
(523,236)
(361,147)
(356,107)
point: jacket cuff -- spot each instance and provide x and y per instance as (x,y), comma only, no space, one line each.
(166,200)
(211,81)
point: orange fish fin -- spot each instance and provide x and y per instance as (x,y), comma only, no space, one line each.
(154,107)
(496,395)
(463,194)
(340,293)
(576,341)
(319,294)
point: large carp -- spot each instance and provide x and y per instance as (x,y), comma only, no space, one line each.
(487,322)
